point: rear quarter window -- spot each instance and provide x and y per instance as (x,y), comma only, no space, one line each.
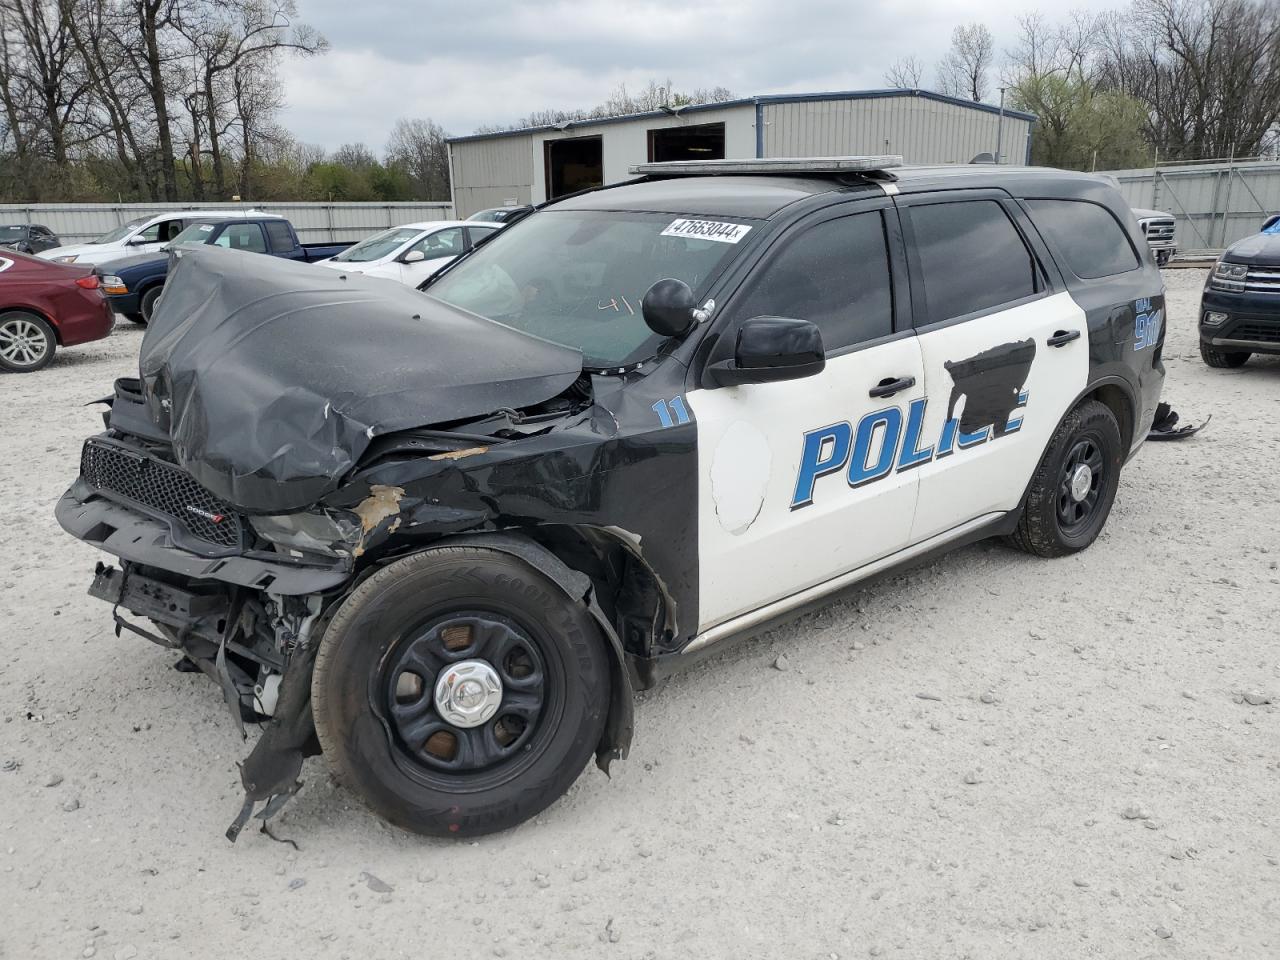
(1087,236)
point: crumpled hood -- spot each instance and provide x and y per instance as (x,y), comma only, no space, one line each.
(1262,249)
(272,377)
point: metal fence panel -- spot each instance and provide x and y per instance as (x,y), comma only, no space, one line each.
(1215,204)
(315,222)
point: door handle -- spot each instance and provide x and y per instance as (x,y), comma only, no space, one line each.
(889,386)
(1063,337)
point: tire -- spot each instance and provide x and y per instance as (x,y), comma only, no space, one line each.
(380,723)
(137,318)
(1223,358)
(148,303)
(1055,522)
(27,342)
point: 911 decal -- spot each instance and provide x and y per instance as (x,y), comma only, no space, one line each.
(1147,324)
(671,414)
(886,442)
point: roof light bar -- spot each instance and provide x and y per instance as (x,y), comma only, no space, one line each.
(771,165)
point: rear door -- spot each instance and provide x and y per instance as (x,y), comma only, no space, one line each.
(799,480)
(1006,352)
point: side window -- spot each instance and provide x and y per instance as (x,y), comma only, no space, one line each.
(281,236)
(242,236)
(153,233)
(479,233)
(442,243)
(1088,236)
(834,274)
(972,258)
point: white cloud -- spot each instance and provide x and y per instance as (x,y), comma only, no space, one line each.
(464,65)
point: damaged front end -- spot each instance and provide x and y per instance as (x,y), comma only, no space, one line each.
(271,456)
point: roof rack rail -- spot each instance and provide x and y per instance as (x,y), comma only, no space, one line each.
(801,165)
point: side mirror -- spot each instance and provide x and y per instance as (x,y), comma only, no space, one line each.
(1271,221)
(771,349)
(668,308)
(138,242)
(413,256)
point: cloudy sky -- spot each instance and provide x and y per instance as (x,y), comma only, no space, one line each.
(491,61)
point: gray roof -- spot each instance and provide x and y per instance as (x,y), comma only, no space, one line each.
(750,101)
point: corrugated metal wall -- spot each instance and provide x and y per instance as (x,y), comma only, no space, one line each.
(922,131)
(492,173)
(1215,204)
(315,222)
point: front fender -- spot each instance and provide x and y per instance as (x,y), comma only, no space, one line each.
(620,723)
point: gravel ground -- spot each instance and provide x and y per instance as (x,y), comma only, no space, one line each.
(990,756)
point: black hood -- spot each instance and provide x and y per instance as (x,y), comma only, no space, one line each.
(272,377)
(1262,249)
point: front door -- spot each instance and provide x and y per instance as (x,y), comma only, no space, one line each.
(801,481)
(439,249)
(1005,355)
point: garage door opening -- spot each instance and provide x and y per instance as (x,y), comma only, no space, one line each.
(573,165)
(702,141)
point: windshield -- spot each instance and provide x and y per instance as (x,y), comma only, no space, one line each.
(577,277)
(119,233)
(379,245)
(10,233)
(193,236)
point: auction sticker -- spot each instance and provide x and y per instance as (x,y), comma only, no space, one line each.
(707,230)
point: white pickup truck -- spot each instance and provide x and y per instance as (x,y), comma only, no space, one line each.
(1158,228)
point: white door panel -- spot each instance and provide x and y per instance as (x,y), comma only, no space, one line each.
(996,392)
(767,529)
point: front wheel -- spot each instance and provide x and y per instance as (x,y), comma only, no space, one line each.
(1223,358)
(1074,486)
(460,691)
(148,304)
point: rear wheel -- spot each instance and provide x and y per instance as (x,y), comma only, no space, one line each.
(27,342)
(460,692)
(1223,358)
(1074,486)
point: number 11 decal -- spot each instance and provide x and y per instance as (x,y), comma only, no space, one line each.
(671,414)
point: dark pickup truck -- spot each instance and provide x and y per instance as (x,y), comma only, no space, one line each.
(134,284)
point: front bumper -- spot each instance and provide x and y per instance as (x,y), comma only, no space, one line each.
(125,303)
(1253,321)
(141,539)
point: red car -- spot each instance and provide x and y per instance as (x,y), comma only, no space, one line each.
(44,306)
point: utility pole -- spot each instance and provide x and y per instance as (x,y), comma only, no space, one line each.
(1000,127)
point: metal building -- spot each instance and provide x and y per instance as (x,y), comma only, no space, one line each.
(538,163)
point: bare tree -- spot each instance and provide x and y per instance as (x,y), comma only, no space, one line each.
(420,148)
(905,73)
(963,71)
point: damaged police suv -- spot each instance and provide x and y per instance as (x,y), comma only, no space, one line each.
(441,538)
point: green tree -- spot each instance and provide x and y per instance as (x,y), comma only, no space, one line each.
(1079,127)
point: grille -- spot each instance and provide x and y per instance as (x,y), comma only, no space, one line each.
(160,488)
(1257,332)
(1263,279)
(1158,229)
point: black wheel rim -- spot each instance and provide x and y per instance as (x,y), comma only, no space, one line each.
(408,682)
(1078,504)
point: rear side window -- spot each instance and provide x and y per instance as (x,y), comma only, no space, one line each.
(242,236)
(1087,235)
(972,257)
(281,237)
(835,274)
